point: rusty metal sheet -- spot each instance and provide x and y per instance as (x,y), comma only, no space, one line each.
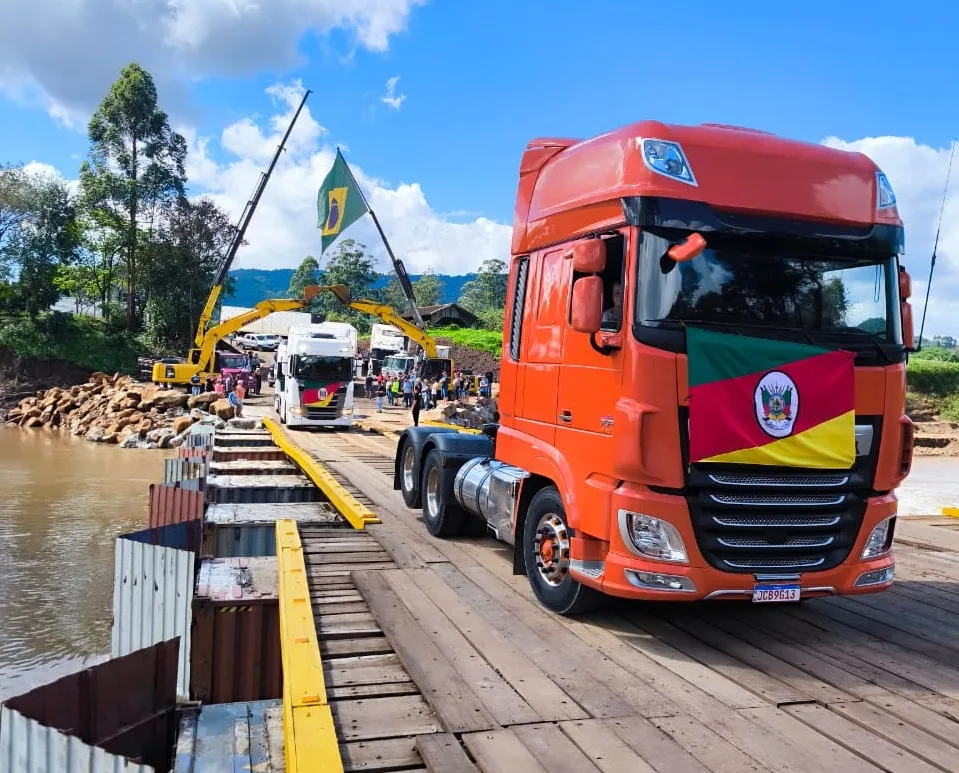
(129,729)
(171,504)
(153,591)
(235,649)
(248,453)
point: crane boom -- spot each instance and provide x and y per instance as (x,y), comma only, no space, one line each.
(240,233)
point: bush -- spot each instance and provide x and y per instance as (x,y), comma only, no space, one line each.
(950,408)
(489,341)
(81,340)
(933,377)
(936,353)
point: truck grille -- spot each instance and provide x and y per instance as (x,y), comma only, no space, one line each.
(762,529)
(332,411)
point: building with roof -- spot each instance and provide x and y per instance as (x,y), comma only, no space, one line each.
(445,315)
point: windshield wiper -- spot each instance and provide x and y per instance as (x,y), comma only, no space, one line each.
(873,339)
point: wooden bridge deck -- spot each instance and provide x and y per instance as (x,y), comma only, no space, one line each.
(436,657)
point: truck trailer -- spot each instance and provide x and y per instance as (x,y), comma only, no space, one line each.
(702,390)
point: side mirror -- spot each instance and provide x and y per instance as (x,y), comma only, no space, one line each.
(587,306)
(905,310)
(692,247)
(589,257)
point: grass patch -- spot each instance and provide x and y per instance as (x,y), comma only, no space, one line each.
(938,378)
(84,341)
(490,341)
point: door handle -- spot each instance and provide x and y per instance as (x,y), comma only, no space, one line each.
(566,416)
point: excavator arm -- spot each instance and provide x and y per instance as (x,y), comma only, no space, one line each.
(388,315)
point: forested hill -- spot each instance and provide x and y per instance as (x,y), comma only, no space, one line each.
(254,285)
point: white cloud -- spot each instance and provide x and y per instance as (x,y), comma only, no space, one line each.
(391,98)
(63,53)
(283,230)
(918,177)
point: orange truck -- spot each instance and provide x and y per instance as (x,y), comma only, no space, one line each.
(703,374)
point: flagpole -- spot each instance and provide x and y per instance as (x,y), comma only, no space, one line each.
(397,264)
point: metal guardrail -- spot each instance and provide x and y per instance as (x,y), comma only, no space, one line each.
(356,513)
(308,730)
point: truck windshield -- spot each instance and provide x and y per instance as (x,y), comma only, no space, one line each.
(233,361)
(317,367)
(771,291)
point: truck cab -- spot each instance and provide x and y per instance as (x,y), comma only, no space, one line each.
(624,245)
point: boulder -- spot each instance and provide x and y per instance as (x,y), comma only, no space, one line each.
(202,400)
(222,409)
(243,423)
(95,435)
(181,424)
(30,423)
(171,399)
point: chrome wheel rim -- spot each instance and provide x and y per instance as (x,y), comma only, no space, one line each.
(408,459)
(432,493)
(551,549)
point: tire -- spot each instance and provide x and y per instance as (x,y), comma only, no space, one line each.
(408,482)
(443,518)
(561,594)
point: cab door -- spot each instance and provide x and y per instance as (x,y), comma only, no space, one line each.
(589,386)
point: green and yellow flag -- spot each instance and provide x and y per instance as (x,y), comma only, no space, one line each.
(756,401)
(339,203)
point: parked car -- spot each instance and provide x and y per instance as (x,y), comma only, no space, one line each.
(263,342)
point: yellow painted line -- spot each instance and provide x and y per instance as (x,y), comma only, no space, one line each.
(309,735)
(457,427)
(356,513)
(952,512)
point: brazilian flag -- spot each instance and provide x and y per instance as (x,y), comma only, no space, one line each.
(339,203)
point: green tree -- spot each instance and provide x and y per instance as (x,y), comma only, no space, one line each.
(428,289)
(485,295)
(307,273)
(350,265)
(136,167)
(393,296)
(178,266)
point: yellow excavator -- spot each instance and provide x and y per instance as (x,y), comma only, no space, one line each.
(433,364)
(202,360)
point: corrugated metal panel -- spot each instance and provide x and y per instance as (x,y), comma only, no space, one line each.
(180,536)
(176,470)
(238,530)
(226,737)
(170,504)
(201,436)
(277,489)
(135,722)
(152,593)
(198,454)
(236,632)
(241,453)
(26,746)
(243,439)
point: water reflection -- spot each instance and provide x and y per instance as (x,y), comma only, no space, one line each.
(62,502)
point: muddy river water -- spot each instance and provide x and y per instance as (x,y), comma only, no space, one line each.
(62,502)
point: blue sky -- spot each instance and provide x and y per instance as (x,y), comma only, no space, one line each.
(481,79)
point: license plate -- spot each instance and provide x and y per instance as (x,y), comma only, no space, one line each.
(765,594)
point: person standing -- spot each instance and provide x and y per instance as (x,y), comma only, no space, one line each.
(257,381)
(415,404)
(380,394)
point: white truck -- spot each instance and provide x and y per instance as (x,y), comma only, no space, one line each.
(314,384)
(384,341)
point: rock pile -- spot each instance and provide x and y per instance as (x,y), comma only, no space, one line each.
(474,414)
(117,409)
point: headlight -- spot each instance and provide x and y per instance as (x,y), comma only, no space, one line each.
(880,540)
(296,410)
(651,537)
(667,159)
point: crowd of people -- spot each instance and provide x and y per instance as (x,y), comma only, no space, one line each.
(233,386)
(419,394)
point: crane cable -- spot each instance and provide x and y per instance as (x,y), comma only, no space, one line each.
(935,244)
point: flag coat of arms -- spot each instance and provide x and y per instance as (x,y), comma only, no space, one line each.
(339,203)
(762,402)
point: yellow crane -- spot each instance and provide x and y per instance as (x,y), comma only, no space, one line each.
(433,365)
(201,360)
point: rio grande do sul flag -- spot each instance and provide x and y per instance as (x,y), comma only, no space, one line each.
(756,401)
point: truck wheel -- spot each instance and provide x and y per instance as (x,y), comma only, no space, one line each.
(546,552)
(442,516)
(408,482)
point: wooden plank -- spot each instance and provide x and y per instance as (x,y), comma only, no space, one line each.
(359,645)
(390,717)
(554,750)
(868,745)
(370,557)
(708,746)
(527,678)
(458,708)
(442,753)
(504,704)
(384,755)
(500,751)
(340,608)
(606,749)
(655,746)
(353,691)
(593,683)
(366,669)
